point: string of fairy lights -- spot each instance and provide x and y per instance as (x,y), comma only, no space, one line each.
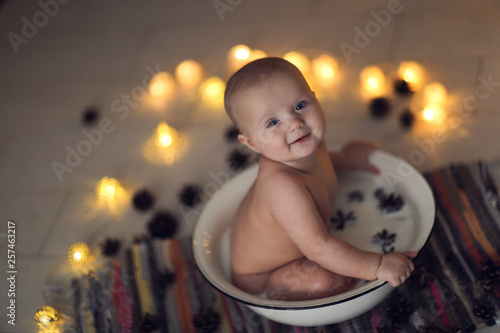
(167,145)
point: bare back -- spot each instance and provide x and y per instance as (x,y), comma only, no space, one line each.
(259,244)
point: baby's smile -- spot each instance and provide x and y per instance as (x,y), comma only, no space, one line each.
(301,139)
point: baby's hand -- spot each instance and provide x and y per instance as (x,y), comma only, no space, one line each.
(356,155)
(395,268)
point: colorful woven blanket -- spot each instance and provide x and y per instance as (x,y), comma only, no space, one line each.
(155,286)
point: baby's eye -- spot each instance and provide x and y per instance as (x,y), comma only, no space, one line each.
(300,106)
(272,123)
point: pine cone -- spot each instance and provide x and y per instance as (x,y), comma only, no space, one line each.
(406,119)
(110,247)
(90,115)
(485,311)
(143,200)
(232,133)
(489,274)
(399,309)
(206,321)
(379,107)
(190,195)
(237,159)
(148,323)
(402,87)
(163,224)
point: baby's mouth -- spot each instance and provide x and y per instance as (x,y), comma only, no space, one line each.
(301,139)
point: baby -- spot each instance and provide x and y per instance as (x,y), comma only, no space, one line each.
(280,242)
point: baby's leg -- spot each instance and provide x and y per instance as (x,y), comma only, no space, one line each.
(303,279)
(251,283)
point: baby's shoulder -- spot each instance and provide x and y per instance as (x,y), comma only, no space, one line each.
(273,181)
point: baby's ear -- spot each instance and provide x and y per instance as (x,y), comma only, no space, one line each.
(247,142)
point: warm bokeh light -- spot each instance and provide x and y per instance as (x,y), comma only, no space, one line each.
(47,318)
(373,81)
(434,114)
(256,54)
(109,189)
(238,56)
(299,60)
(162,84)
(165,135)
(435,93)
(189,73)
(325,69)
(165,146)
(412,72)
(212,92)
(79,253)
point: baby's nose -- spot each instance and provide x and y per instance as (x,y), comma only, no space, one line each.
(296,123)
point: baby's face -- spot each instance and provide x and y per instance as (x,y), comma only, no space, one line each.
(280,119)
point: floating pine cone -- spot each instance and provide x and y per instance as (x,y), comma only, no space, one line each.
(232,134)
(406,119)
(90,115)
(190,195)
(355,196)
(163,224)
(399,309)
(110,247)
(148,323)
(206,321)
(379,107)
(485,311)
(237,160)
(402,87)
(391,203)
(143,200)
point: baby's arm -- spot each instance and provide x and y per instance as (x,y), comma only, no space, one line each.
(293,207)
(354,155)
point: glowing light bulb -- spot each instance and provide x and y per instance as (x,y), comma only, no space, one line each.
(212,91)
(411,72)
(79,253)
(108,189)
(325,69)
(165,146)
(238,56)
(256,54)
(372,80)
(299,60)
(161,84)
(435,93)
(189,73)
(165,135)
(47,318)
(434,114)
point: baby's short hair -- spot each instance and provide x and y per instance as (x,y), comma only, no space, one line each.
(253,74)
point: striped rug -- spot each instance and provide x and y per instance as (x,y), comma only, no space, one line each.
(154,286)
